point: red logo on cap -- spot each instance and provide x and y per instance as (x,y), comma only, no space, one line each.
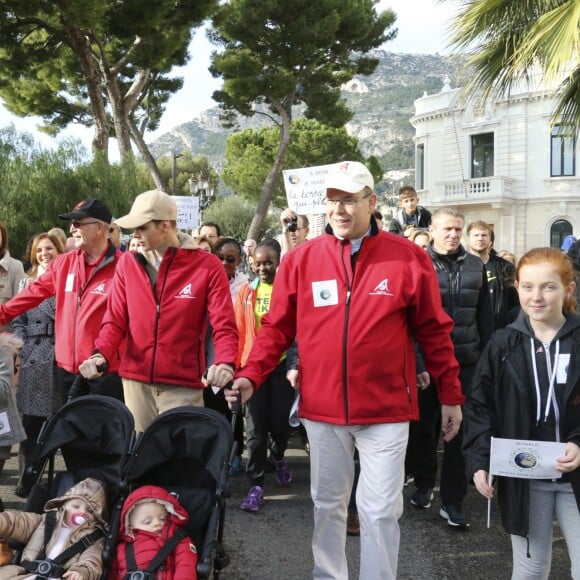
(79,204)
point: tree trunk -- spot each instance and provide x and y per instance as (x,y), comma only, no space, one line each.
(79,44)
(147,157)
(273,175)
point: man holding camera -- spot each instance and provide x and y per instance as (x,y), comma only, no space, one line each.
(294,229)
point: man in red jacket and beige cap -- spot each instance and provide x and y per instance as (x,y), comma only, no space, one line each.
(160,301)
(362,295)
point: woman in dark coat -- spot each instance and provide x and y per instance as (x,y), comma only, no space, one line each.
(37,396)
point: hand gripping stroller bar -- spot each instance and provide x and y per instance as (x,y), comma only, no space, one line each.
(79,385)
(236,407)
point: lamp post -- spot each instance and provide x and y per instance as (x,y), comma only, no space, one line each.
(175,157)
(204,189)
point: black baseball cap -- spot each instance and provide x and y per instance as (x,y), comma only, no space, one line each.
(91,207)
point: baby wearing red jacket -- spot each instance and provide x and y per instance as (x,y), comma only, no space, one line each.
(151,516)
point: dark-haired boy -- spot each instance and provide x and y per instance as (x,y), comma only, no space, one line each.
(410,215)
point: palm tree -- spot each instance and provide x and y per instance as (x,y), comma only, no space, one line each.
(506,39)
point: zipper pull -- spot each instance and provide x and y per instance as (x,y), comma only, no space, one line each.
(348,296)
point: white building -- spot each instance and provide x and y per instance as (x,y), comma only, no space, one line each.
(503,163)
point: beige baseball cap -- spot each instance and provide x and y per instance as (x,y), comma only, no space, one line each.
(151,205)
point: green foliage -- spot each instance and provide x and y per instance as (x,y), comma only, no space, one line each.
(277,54)
(281,53)
(250,154)
(38,185)
(234,216)
(507,41)
(94,61)
(187,166)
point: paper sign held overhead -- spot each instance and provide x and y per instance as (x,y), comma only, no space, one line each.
(305,188)
(187,211)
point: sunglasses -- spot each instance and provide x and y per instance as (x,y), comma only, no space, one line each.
(77,224)
(228,259)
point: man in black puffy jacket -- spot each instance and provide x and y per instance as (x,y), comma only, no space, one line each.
(465,295)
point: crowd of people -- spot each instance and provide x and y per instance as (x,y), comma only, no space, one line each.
(393,344)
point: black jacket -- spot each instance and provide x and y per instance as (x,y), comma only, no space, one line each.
(508,295)
(398,225)
(501,404)
(465,297)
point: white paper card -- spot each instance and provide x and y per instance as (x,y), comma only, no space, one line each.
(325,293)
(4,423)
(525,459)
(70,282)
(562,368)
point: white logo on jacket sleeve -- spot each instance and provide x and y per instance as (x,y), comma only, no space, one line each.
(382,289)
(325,293)
(185,292)
(100,289)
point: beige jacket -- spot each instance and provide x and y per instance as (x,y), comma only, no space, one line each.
(28,527)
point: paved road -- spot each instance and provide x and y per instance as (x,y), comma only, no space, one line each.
(275,543)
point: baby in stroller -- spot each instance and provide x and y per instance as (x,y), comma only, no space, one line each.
(66,541)
(152,536)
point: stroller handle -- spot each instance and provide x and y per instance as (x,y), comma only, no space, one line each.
(79,385)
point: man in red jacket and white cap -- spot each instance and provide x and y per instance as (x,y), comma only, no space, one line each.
(362,295)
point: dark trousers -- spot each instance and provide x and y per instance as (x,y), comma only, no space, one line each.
(217,402)
(453,476)
(32,426)
(267,412)
(421,459)
(109,385)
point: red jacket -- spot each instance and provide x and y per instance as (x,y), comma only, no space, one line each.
(355,330)
(165,326)
(181,564)
(80,305)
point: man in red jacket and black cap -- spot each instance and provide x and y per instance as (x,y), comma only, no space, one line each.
(80,280)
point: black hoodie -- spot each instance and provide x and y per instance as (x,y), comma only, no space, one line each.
(504,403)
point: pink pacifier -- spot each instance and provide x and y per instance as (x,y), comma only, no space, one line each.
(79,518)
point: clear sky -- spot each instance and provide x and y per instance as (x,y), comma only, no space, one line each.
(422,26)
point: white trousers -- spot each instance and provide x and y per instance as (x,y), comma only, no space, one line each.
(379,496)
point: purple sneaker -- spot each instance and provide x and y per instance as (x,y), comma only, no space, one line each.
(254,499)
(283,473)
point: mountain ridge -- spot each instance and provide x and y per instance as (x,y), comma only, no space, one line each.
(382,104)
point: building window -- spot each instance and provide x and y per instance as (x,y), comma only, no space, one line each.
(559,230)
(482,155)
(420,167)
(562,148)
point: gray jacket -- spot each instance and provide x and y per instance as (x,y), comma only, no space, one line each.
(13,430)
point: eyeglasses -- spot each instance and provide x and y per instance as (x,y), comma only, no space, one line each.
(228,259)
(348,202)
(76,224)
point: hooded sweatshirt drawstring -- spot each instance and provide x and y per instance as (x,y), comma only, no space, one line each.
(551,398)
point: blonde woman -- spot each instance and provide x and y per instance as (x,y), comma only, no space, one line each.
(37,395)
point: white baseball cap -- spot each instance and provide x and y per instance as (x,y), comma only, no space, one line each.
(349,176)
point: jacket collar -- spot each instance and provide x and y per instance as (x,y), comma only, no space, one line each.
(374,228)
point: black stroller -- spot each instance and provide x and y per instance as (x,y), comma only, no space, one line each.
(186,451)
(94,435)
